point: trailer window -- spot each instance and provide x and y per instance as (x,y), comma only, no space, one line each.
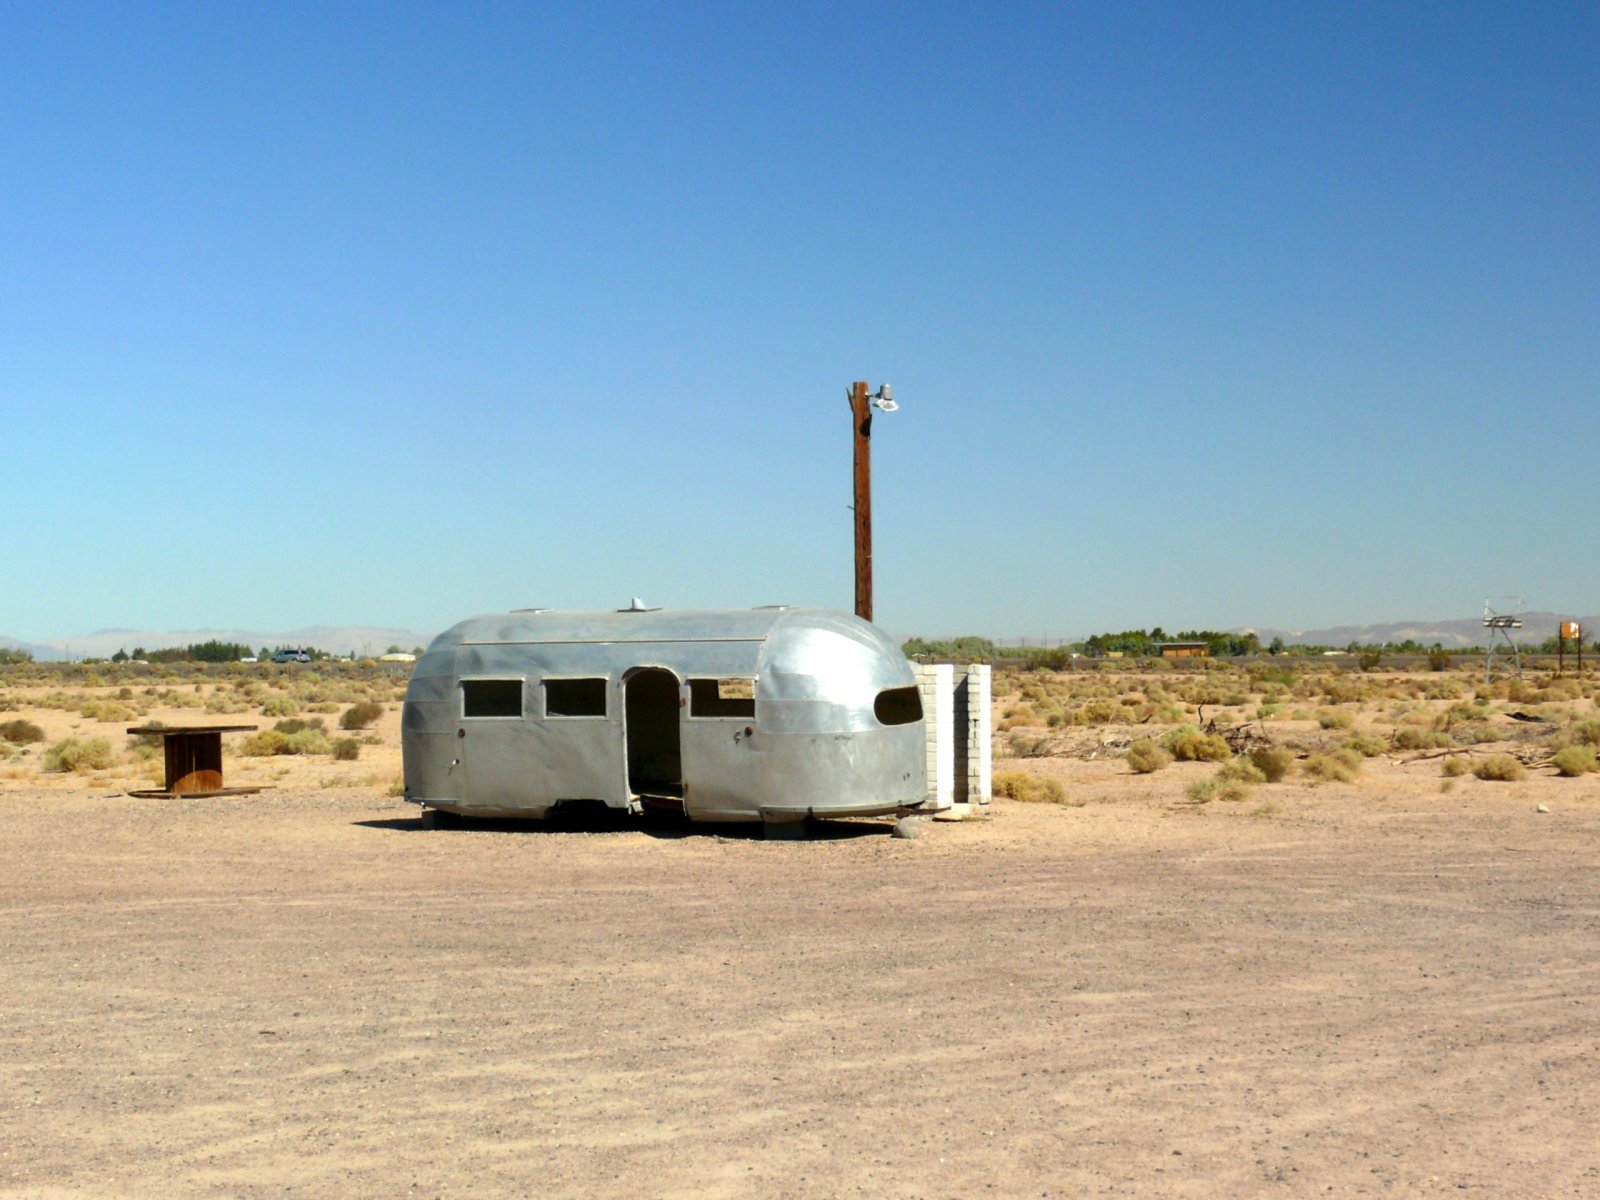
(575,697)
(722,697)
(491,697)
(898,706)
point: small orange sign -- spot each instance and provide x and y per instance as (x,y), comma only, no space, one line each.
(1569,631)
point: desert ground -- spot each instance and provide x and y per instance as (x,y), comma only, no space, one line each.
(1370,977)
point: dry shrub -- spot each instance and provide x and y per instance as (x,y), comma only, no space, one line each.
(1585,733)
(1273,763)
(1366,744)
(1334,766)
(280,706)
(20,733)
(1573,761)
(264,744)
(79,754)
(1501,768)
(1019,785)
(1145,756)
(1242,770)
(1218,787)
(1188,744)
(1334,718)
(1410,737)
(360,715)
(346,749)
(1454,766)
(309,741)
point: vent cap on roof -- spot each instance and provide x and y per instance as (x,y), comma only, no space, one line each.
(530,610)
(639,605)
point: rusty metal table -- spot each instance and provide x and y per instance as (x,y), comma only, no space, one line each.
(194,759)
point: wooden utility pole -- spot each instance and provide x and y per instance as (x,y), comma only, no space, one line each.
(861,421)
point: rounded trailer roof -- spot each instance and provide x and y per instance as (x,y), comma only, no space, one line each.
(796,641)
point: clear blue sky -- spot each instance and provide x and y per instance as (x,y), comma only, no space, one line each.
(1205,315)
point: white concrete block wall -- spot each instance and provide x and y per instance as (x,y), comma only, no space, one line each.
(936,683)
(979,733)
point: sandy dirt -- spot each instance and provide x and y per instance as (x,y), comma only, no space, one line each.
(1347,990)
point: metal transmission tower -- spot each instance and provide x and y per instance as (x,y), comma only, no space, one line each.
(1501,644)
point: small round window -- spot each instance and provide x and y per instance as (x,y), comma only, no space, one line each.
(898,706)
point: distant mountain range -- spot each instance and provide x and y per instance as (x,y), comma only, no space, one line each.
(103,643)
(1452,635)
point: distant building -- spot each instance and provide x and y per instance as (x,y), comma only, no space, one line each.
(1185,650)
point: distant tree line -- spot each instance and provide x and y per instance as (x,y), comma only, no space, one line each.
(1142,643)
(212,652)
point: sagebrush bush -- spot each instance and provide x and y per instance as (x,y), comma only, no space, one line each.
(1218,787)
(20,733)
(1454,766)
(1273,762)
(1366,744)
(1019,785)
(310,741)
(1334,766)
(1585,733)
(1334,718)
(78,754)
(1145,756)
(346,749)
(280,706)
(360,715)
(1242,770)
(1412,737)
(1573,761)
(264,744)
(1188,744)
(1499,768)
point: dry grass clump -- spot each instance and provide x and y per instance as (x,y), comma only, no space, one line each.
(1019,785)
(1274,763)
(78,755)
(1145,756)
(1188,744)
(346,749)
(1573,761)
(20,732)
(1454,766)
(1501,768)
(1335,718)
(1218,787)
(280,706)
(1333,766)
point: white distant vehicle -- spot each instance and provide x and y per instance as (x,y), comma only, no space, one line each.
(397,658)
(250,658)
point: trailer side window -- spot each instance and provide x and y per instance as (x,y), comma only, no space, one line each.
(491,697)
(575,697)
(722,697)
(898,706)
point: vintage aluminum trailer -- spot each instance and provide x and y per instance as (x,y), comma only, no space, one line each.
(768,714)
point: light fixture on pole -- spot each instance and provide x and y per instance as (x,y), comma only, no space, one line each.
(861,405)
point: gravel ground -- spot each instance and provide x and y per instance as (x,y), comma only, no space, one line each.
(1371,990)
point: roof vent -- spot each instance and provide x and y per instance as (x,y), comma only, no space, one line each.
(639,605)
(530,610)
(767,607)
